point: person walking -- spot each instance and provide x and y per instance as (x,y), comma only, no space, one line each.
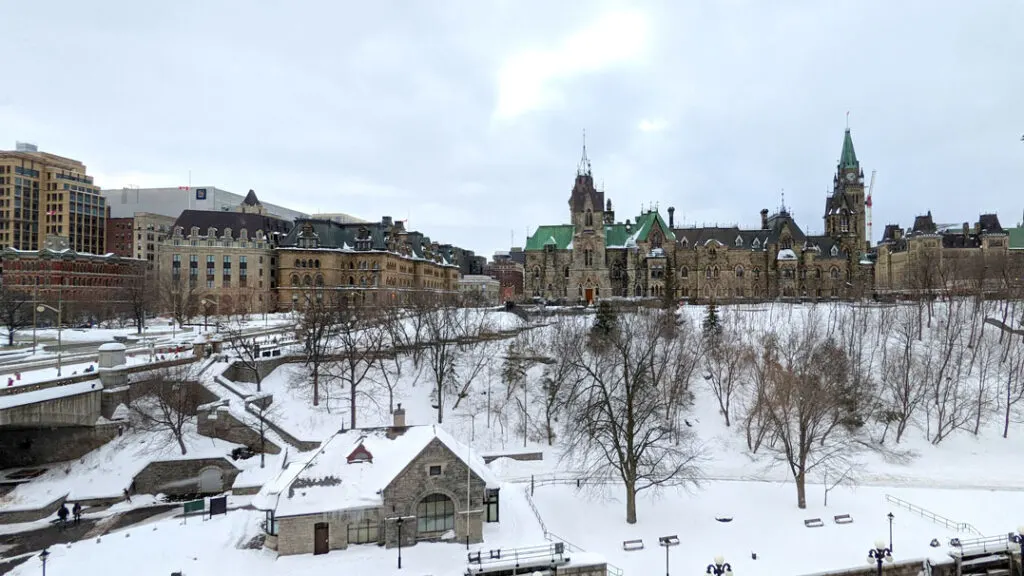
(76,510)
(62,514)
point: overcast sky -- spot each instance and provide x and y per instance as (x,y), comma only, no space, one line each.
(466,116)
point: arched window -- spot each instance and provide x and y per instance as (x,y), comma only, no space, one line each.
(707,272)
(817,273)
(566,271)
(435,513)
(536,272)
(834,273)
(295,279)
(298,263)
(684,272)
(351,265)
(588,218)
(716,272)
(757,273)
(306,280)
(351,281)
(739,271)
(844,221)
(319,280)
(316,263)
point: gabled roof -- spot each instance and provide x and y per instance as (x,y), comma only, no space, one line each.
(645,223)
(780,220)
(924,224)
(559,235)
(1016,237)
(328,482)
(723,235)
(251,199)
(824,246)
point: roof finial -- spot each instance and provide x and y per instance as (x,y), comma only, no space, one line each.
(847,120)
(584,167)
(782,207)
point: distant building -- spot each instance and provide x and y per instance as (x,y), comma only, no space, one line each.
(85,285)
(43,194)
(480,289)
(138,236)
(371,263)
(125,202)
(360,482)
(339,217)
(509,275)
(222,262)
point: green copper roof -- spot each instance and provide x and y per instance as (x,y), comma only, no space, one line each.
(848,159)
(615,235)
(560,236)
(1016,237)
(644,224)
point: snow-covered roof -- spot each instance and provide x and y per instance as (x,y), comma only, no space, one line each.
(112,347)
(327,481)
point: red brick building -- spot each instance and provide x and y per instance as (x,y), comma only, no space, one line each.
(88,285)
(119,236)
(509,274)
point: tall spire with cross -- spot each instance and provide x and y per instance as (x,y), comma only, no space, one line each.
(584,166)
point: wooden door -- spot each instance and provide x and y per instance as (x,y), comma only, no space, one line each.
(321,536)
(589,295)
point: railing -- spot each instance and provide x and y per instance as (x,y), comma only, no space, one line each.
(613,570)
(531,556)
(984,545)
(960,527)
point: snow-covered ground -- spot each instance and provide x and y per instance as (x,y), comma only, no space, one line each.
(974,479)
(44,374)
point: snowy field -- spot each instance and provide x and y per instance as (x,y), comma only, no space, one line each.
(968,477)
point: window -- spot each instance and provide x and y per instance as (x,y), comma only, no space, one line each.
(566,271)
(684,272)
(588,220)
(270,523)
(491,503)
(739,271)
(435,470)
(363,532)
(835,273)
(435,513)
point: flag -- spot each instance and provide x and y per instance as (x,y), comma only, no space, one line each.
(183,187)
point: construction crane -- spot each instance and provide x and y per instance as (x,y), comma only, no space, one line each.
(867,205)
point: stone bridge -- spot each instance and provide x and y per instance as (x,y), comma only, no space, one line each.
(75,404)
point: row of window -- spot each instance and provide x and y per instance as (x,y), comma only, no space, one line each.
(658,272)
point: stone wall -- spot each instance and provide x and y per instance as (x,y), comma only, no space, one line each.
(35,446)
(19,516)
(906,568)
(594,570)
(415,483)
(82,409)
(236,372)
(295,533)
(216,421)
(180,477)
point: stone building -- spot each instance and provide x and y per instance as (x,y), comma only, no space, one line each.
(138,236)
(957,258)
(374,262)
(509,274)
(224,261)
(358,485)
(479,289)
(595,256)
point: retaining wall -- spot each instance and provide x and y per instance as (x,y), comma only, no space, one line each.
(34,446)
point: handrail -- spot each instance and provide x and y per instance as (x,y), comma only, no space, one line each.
(963,527)
(613,570)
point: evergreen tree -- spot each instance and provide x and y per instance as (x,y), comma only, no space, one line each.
(606,321)
(712,327)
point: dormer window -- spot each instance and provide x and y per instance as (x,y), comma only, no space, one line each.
(360,455)
(835,251)
(756,244)
(739,241)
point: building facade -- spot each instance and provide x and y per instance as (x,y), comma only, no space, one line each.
(509,274)
(479,289)
(596,256)
(125,202)
(120,232)
(951,258)
(370,263)
(222,262)
(44,194)
(84,285)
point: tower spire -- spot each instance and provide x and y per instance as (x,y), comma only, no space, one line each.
(584,165)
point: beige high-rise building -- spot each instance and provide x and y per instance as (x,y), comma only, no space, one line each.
(41,194)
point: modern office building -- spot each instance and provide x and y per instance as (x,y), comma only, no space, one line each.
(44,194)
(126,202)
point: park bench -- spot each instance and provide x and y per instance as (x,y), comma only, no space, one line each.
(814,523)
(843,519)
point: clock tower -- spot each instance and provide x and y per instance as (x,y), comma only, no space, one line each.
(845,207)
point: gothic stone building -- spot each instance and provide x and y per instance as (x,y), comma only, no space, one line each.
(594,256)
(360,482)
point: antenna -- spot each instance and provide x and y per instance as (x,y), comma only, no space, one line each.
(584,166)
(847,119)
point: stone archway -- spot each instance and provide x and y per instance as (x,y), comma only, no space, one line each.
(211,480)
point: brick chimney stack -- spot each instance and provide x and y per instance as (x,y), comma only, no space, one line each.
(399,415)
(764,219)
(671,217)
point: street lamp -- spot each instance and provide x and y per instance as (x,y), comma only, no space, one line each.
(399,520)
(60,345)
(720,567)
(879,555)
(43,556)
(1018,538)
(890,517)
(206,313)
(668,542)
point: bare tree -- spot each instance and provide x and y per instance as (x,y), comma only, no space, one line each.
(810,412)
(1012,374)
(943,373)
(181,297)
(15,311)
(903,390)
(725,366)
(559,380)
(454,351)
(360,337)
(616,420)
(168,405)
(317,328)
(140,300)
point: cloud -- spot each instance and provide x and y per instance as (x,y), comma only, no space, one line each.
(535,79)
(652,125)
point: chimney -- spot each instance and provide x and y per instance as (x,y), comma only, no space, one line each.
(764,219)
(386,221)
(967,229)
(671,217)
(399,415)
(977,227)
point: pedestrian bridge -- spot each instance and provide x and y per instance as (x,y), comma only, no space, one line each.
(75,404)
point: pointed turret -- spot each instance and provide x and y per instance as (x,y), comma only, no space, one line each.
(848,158)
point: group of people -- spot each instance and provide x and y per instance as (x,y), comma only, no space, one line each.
(76,513)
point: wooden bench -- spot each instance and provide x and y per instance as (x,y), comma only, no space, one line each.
(632,545)
(843,519)
(814,523)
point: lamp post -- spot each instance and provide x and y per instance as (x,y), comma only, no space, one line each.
(43,556)
(720,567)
(60,344)
(1018,538)
(399,522)
(668,542)
(890,517)
(879,555)
(206,314)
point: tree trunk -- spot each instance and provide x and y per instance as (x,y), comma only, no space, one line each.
(181,443)
(630,502)
(801,491)
(1006,421)
(352,404)
(316,385)
(440,404)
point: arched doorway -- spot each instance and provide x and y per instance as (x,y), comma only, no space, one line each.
(211,480)
(435,515)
